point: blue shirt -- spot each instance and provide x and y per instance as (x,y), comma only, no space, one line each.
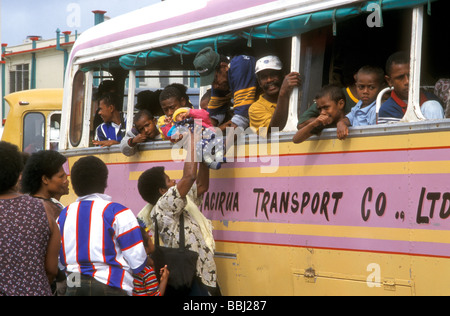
(110,131)
(242,82)
(363,116)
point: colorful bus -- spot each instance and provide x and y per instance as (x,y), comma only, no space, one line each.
(363,216)
(34,119)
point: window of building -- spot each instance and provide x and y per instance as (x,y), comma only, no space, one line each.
(19,78)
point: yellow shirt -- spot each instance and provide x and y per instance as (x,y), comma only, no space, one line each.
(260,114)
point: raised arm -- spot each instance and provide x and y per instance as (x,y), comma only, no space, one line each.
(280,115)
(189,170)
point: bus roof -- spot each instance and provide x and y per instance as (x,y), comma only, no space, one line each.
(178,21)
(185,27)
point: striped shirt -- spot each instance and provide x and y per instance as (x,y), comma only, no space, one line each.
(146,283)
(103,240)
(242,82)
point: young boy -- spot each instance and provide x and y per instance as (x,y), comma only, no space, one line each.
(144,130)
(369,82)
(330,103)
(112,130)
(145,283)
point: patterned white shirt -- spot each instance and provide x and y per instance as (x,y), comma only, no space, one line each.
(167,211)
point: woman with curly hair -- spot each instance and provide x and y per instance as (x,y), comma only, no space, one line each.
(29,237)
(44,178)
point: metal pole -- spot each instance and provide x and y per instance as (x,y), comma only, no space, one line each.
(413,113)
(291,124)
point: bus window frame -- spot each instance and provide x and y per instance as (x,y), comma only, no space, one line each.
(75,142)
(130,103)
(25,125)
(296,57)
(48,139)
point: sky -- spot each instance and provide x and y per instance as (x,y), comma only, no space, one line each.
(21,18)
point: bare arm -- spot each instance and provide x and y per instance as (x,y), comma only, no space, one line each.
(54,244)
(306,132)
(189,170)
(280,115)
(342,128)
(202,179)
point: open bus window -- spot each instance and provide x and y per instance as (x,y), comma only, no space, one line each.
(55,126)
(103,83)
(76,116)
(33,132)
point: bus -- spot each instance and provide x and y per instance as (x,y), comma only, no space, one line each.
(34,119)
(363,216)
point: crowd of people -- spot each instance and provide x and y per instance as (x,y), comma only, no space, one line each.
(95,246)
(246,92)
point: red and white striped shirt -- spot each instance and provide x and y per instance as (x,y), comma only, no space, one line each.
(101,239)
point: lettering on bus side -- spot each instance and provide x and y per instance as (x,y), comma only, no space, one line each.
(325,203)
(436,201)
(221,201)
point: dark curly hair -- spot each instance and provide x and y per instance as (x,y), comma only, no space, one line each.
(89,175)
(11,165)
(149,184)
(43,163)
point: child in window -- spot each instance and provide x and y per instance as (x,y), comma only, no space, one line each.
(144,130)
(369,81)
(330,103)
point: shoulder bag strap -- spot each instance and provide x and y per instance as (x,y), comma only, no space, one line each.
(156,231)
(181,240)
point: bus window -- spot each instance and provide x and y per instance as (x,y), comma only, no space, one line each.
(55,126)
(33,132)
(76,117)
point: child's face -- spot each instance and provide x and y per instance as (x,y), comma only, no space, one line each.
(399,79)
(106,111)
(147,127)
(367,87)
(181,116)
(327,106)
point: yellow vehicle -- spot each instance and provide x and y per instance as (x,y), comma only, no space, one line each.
(364,216)
(34,119)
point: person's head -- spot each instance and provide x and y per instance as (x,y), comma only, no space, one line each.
(109,106)
(212,68)
(89,175)
(107,86)
(181,114)
(269,75)
(145,124)
(369,81)
(397,73)
(44,172)
(153,183)
(171,99)
(11,165)
(331,101)
(149,100)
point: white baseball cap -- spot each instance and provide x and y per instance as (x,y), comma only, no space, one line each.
(268,62)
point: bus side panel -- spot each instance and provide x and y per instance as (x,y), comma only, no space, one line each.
(365,216)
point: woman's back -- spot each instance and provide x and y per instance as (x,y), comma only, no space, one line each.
(24,236)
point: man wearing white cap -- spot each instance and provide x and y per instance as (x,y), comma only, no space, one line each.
(271,109)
